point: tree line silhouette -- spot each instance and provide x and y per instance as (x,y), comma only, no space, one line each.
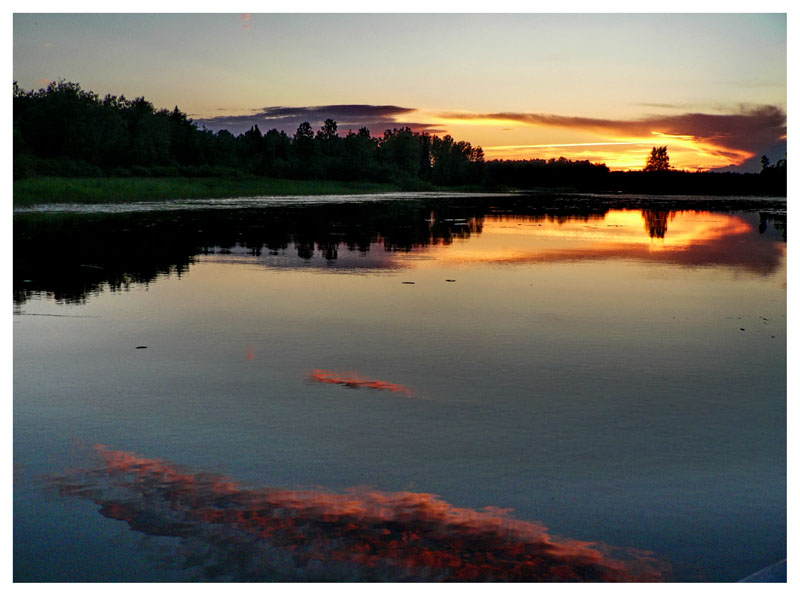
(64,130)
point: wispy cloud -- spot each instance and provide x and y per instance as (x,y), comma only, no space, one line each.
(377,118)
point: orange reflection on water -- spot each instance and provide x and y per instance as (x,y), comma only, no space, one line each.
(680,237)
(239,534)
(619,227)
(356,381)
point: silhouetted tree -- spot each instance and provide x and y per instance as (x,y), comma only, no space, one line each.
(303,150)
(359,156)
(400,150)
(453,161)
(276,151)
(328,137)
(774,176)
(304,131)
(658,160)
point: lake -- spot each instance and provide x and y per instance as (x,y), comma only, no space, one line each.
(412,387)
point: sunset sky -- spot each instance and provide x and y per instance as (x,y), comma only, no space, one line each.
(602,87)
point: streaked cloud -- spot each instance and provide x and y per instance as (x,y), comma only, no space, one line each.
(376,118)
(736,138)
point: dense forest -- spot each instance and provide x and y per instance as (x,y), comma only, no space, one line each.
(64,130)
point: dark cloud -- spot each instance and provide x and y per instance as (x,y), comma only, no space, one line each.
(357,111)
(758,130)
(376,118)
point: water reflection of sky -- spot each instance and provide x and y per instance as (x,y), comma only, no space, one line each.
(239,534)
(354,380)
(583,370)
(675,237)
(685,238)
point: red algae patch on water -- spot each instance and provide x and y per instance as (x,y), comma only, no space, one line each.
(356,381)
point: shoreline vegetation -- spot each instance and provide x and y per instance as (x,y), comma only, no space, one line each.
(70,145)
(51,190)
(56,190)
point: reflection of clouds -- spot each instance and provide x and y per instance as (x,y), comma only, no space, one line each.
(686,238)
(356,381)
(368,238)
(233,533)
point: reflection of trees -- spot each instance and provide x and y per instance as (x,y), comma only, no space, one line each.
(72,256)
(655,222)
(778,221)
(232,533)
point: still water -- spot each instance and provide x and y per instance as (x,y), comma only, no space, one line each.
(408,389)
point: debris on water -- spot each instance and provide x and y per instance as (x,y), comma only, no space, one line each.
(141,347)
(409,282)
(450,280)
(741,328)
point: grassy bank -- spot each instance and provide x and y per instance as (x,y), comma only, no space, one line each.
(33,191)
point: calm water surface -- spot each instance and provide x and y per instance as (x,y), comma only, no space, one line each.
(426,389)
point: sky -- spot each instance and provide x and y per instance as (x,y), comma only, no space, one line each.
(601,87)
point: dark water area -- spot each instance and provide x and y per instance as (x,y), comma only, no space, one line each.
(417,388)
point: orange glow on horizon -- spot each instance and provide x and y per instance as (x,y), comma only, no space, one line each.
(362,534)
(615,149)
(627,154)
